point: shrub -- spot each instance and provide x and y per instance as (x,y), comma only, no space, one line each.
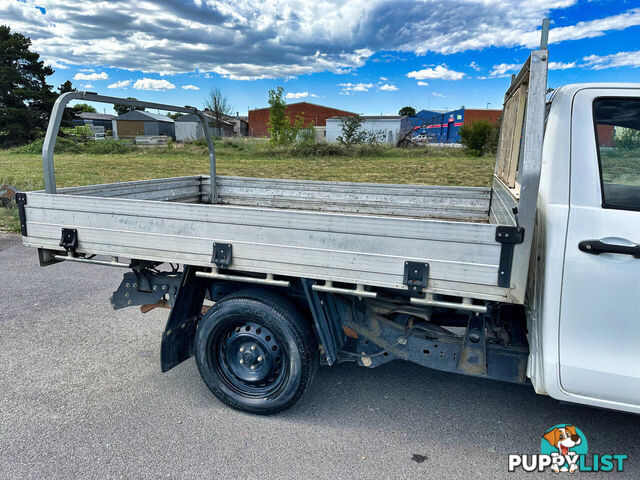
(494,140)
(106,146)
(475,137)
(627,139)
(352,131)
(67,145)
(63,145)
(316,149)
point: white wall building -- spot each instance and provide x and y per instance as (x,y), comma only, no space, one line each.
(386,128)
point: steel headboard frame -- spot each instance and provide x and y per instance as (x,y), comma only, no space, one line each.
(56,118)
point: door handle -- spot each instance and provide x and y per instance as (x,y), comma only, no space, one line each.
(596,247)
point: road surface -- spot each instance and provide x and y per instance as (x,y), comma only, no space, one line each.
(82,396)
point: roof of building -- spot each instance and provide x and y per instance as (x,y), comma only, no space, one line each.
(95,116)
(192,117)
(144,116)
(373,117)
(306,103)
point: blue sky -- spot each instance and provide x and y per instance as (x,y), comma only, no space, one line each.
(366,56)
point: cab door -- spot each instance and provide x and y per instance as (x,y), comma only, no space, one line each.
(599,336)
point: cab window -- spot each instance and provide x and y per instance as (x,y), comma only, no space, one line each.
(617,128)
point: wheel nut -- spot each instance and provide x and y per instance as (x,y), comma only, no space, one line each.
(241,361)
(253,367)
(259,359)
(241,349)
(253,347)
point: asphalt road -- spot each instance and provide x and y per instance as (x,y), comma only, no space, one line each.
(82,396)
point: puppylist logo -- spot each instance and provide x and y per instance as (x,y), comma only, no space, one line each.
(564,448)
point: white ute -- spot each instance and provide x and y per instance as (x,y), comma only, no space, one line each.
(535,280)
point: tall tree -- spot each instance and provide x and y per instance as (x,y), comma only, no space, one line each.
(122,109)
(66,87)
(83,108)
(25,97)
(69,113)
(218,104)
(407,111)
(282,128)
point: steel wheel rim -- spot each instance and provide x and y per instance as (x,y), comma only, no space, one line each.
(250,359)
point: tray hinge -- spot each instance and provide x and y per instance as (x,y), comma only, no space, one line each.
(222,253)
(508,236)
(416,275)
(21,201)
(69,240)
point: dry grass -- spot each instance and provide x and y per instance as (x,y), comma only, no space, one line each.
(252,159)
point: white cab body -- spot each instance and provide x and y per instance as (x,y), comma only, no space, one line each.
(583,309)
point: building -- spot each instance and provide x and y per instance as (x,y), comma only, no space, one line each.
(94,119)
(240,125)
(386,128)
(189,127)
(444,127)
(138,122)
(313,116)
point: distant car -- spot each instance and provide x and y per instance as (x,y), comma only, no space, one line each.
(423,137)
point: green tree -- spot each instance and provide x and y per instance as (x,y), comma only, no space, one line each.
(66,87)
(67,116)
(282,128)
(122,109)
(407,111)
(352,131)
(175,115)
(83,108)
(476,137)
(25,97)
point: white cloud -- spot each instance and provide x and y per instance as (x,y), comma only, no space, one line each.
(384,79)
(245,40)
(388,88)
(88,85)
(587,29)
(91,76)
(86,70)
(347,88)
(120,84)
(436,94)
(440,72)
(506,69)
(423,84)
(300,95)
(475,66)
(153,84)
(190,87)
(620,59)
(503,69)
(561,65)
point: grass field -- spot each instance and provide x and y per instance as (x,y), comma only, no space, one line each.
(424,166)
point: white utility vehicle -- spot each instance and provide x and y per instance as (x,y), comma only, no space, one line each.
(536,280)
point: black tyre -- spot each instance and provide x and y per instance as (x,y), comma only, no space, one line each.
(256,352)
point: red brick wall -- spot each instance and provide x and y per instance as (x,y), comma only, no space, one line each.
(471,115)
(313,116)
(605,135)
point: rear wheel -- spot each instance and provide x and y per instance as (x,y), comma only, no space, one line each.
(256,352)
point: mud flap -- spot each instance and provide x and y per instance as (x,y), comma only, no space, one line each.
(179,333)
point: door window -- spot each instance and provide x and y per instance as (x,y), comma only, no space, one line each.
(617,127)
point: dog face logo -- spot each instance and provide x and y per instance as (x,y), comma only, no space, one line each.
(563,438)
(564,443)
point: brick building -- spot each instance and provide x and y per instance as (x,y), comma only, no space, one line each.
(313,115)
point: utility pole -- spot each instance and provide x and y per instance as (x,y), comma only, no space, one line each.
(488,103)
